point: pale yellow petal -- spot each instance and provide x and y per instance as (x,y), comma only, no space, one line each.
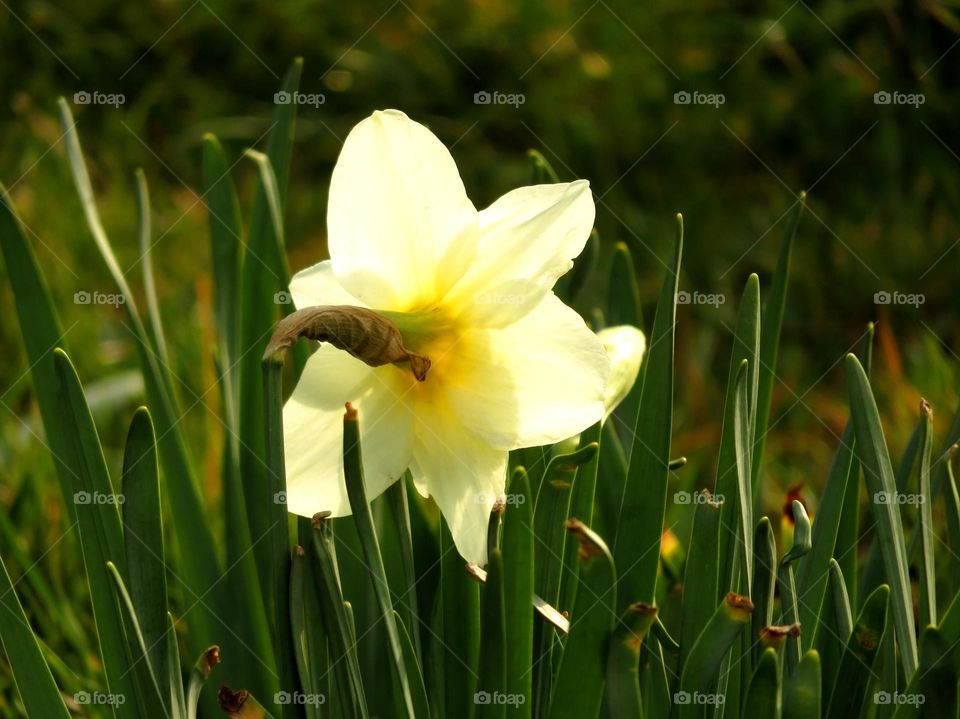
(463,474)
(317,285)
(401,228)
(624,345)
(537,381)
(528,239)
(313,431)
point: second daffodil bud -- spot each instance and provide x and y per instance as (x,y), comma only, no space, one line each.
(625,346)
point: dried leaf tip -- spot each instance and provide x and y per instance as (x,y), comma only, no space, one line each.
(926,410)
(739,603)
(776,634)
(351,412)
(208,660)
(363,333)
(589,545)
(318,519)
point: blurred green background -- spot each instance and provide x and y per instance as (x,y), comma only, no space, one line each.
(598,82)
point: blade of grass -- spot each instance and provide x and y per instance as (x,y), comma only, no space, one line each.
(622,693)
(518,553)
(642,507)
(279,540)
(872,452)
(763,695)
(205,663)
(853,677)
(732,466)
(226,228)
(146,264)
(143,541)
(703,662)
(198,558)
(309,641)
(337,623)
(932,691)
(492,666)
(353,470)
(460,619)
(399,510)
(770,344)
(178,701)
(802,692)
(31,673)
(150,697)
(700,574)
(581,507)
(848,534)
(764,580)
(40,329)
(928,577)
(420,703)
(101,535)
(578,690)
(788,586)
(263,275)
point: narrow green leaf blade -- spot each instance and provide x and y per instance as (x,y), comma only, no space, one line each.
(518,553)
(31,674)
(622,692)
(763,694)
(578,690)
(853,677)
(801,695)
(642,507)
(700,573)
(353,471)
(492,675)
(101,535)
(143,541)
(770,343)
(878,473)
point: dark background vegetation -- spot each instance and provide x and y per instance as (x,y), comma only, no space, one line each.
(599,81)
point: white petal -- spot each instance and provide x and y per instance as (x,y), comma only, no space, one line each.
(313,430)
(537,381)
(401,228)
(624,345)
(464,475)
(317,285)
(528,239)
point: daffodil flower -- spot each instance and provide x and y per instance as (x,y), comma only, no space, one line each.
(510,365)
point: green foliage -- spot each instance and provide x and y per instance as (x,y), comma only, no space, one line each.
(556,625)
